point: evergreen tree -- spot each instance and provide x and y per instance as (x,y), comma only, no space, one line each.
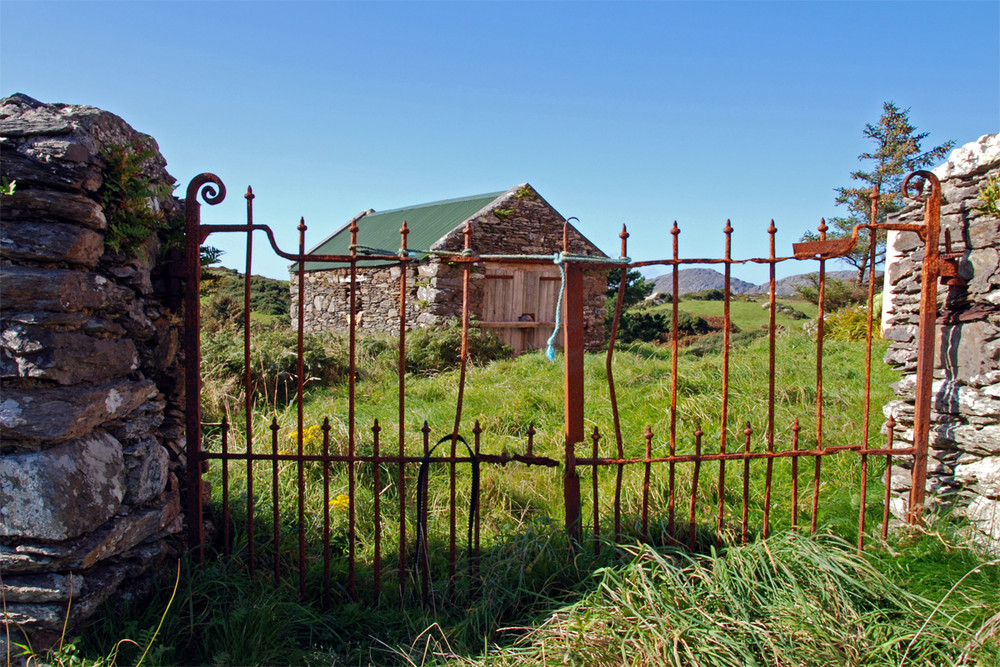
(897,152)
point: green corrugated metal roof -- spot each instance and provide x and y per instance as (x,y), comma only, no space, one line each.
(427,223)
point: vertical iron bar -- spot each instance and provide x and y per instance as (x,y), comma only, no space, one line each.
(795,476)
(300,399)
(819,382)
(929,273)
(326,512)
(247,381)
(464,360)
(275,525)
(866,410)
(648,435)
(425,558)
(616,418)
(477,431)
(771,334)
(728,230)
(225,486)
(890,425)
(595,437)
(401,371)
(692,518)
(747,432)
(674,337)
(351,442)
(377,502)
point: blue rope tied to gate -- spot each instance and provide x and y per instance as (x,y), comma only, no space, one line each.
(550,350)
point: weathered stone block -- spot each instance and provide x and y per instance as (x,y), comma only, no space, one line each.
(116,536)
(62,492)
(984,513)
(65,357)
(54,414)
(27,288)
(90,589)
(48,206)
(44,587)
(147,466)
(985,262)
(51,242)
(982,476)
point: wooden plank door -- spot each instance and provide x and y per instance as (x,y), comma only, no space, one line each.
(519,304)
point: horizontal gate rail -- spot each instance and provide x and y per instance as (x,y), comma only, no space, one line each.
(264,475)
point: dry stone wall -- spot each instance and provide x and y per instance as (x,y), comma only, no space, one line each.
(964,456)
(91,408)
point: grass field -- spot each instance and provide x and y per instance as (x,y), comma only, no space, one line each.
(789,600)
(747,314)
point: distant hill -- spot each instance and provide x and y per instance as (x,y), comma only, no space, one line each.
(697,280)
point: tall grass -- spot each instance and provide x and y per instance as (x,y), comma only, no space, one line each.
(784,601)
(536,597)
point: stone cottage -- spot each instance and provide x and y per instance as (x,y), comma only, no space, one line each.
(964,446)
(515,300)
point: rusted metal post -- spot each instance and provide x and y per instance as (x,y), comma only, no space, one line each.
(573,392)
(404,231)
(299,407)
(820,320)
(726,341)
(204,184)
(866,410)
(930,272)
(248,384)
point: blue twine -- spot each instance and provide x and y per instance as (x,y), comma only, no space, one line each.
(550,350)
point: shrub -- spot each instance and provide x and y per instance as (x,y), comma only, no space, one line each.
(222,297)
(434,349)
(706,295)
(850,323)
(648,326)
(639,326)
(273,365)
(713,343)
(127,197)
(838,293)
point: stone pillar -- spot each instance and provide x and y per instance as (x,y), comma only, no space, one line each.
(964,457)
(90,412)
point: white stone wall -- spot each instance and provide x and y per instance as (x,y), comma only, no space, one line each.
(964,456)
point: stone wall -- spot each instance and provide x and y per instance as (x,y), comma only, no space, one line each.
(91,410)
(964,456)
(528,225)
(377,302)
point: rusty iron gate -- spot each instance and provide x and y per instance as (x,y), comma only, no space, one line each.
(412,559)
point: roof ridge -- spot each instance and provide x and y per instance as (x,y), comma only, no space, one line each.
(492,195)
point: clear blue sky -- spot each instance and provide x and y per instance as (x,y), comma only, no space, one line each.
(636,113)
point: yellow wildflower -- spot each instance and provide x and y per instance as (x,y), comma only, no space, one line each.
(341,503)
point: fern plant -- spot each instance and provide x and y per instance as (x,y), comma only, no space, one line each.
(126,197)
(989,197)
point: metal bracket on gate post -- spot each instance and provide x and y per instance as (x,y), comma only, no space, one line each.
(936,266)
(930,272)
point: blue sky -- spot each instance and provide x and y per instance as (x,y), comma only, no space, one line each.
(636,113)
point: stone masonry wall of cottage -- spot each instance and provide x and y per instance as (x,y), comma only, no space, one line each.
(527,225)
(964,457)
(91,411)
